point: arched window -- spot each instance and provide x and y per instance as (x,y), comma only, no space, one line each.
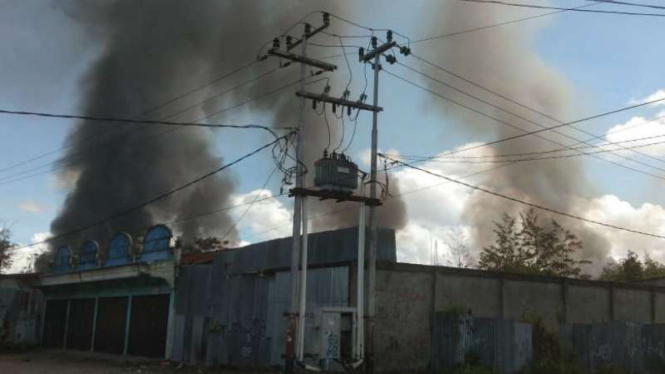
(156,244)
(63,260)
(119,250)
(88,255)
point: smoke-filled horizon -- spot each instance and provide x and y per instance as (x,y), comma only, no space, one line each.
(153,50)
(503,60)
(150,52)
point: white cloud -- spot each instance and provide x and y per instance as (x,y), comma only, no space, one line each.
(639,128)
(435,207)
(30,206)
(263,216)
(647,218)
(435,210)
(22,259)
(658,95)
(365,156)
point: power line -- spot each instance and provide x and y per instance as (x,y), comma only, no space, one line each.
(514,199)
(533,122)
(156,108)
(495,161)
(491,26)
(535,6)
(518,154)
(9,179)
(465,93)
(158,197)
(134,121)
(531,132)
(513,101)
(130,133)
(504,97)
(196,216)
(249,207)
(641,5)
(162,105)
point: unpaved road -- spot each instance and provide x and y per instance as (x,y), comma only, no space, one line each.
(59,362)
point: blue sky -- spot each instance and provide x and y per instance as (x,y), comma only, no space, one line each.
(608,60)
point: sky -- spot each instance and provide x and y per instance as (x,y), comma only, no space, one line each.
(605,62)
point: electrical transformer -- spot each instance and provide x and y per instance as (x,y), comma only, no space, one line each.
(336,171)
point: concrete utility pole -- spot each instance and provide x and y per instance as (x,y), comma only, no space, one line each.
(297,291)
(375,55)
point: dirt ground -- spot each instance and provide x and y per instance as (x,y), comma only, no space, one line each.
(59,362)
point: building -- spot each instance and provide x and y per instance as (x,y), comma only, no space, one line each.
(137,297)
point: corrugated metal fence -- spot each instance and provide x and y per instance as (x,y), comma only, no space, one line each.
(637,348)
(238,320)
(20,317)
(503,345)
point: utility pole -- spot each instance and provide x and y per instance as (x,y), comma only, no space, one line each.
(297,292)
(374,54)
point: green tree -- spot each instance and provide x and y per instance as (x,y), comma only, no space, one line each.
(631,269)
(5,245)
(524,245)
(208,244)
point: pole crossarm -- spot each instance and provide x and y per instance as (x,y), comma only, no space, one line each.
(308,35)
(339,101)
(336,195)
(302,59)
(377,51)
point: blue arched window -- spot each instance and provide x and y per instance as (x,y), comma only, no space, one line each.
(156,244)
(63,260)
(119,249)
(88,255)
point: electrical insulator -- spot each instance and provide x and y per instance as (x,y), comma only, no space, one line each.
(391,59)
(314,104)
(363,97)
(346,94)
(374,41)
(334,108)
(405,50)
(308,29)
(289,41)
(275,43)
(361,53)
(390,36)
(326,18)
(348,111)
(327,89)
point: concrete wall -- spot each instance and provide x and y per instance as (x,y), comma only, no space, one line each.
(404,306)
(409,295)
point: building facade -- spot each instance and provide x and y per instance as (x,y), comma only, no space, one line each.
(140,298)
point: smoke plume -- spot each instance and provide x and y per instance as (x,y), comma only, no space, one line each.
(502,59)
(150,52)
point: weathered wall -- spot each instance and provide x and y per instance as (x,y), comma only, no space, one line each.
(404,306)
(589,304)
(20,317)
(409,295)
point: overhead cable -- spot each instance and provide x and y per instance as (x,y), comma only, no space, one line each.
(156,198)
(520,201)
(536,6)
